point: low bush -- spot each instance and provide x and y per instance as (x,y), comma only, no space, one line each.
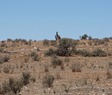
(84,53)
(66,47)
(48,80)
(95,53)
(76,67)
(7,69)
(4,58)
(14,86)
(26,78)
(98,52)
(56,61)
(46,42)
(53,43)
(50,52)
(35,56)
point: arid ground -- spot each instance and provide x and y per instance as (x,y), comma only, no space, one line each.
(33,68)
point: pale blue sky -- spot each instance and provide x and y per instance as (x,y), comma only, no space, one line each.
(40,19)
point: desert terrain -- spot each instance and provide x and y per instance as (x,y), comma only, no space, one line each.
(70,67)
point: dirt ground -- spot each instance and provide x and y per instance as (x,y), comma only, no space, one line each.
(93,78)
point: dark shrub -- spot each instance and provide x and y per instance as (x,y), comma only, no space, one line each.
(46,42)
(76,67)
(1,50)
(98,52)
(15,85)
(65,47)
(50,52)
(48,80)
(4,58)
(7,69)
(26,78)
(84,53)
(56,61)
(53,43)
(35,56)
(84,37)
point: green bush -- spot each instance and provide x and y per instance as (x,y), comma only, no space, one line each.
(84,37)
(1,49)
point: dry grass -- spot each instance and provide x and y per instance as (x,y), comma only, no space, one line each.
(73,75)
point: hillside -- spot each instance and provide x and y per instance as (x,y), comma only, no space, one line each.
(72,67)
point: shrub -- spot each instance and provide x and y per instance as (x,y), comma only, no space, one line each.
(110,65)
(84,37)
(98,52)
(76,67)
(84,53)
(109,75)
(50,52)
(46,42)
(7,69)
(46,68)
(35,56)
(12,86)
(15,85)
(48,80)
(26,78)
(56,61)
(106,39)
(4,58)
(1,50)
(66,47)
(53,43)
(98,41)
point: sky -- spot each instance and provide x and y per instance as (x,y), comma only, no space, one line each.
(40,19)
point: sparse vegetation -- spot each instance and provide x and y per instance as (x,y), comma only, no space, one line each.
(68,67)
(76,67)
(99,52)
(46,42)
(7,69)
(56,61)
(48,80)
(50,52)
(66,47)
(35,56)
(26,78)
(4,58)
(95,53)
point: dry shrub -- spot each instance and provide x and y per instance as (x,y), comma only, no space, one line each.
(56,61)
(50,52)
(76,67)
(48,80)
